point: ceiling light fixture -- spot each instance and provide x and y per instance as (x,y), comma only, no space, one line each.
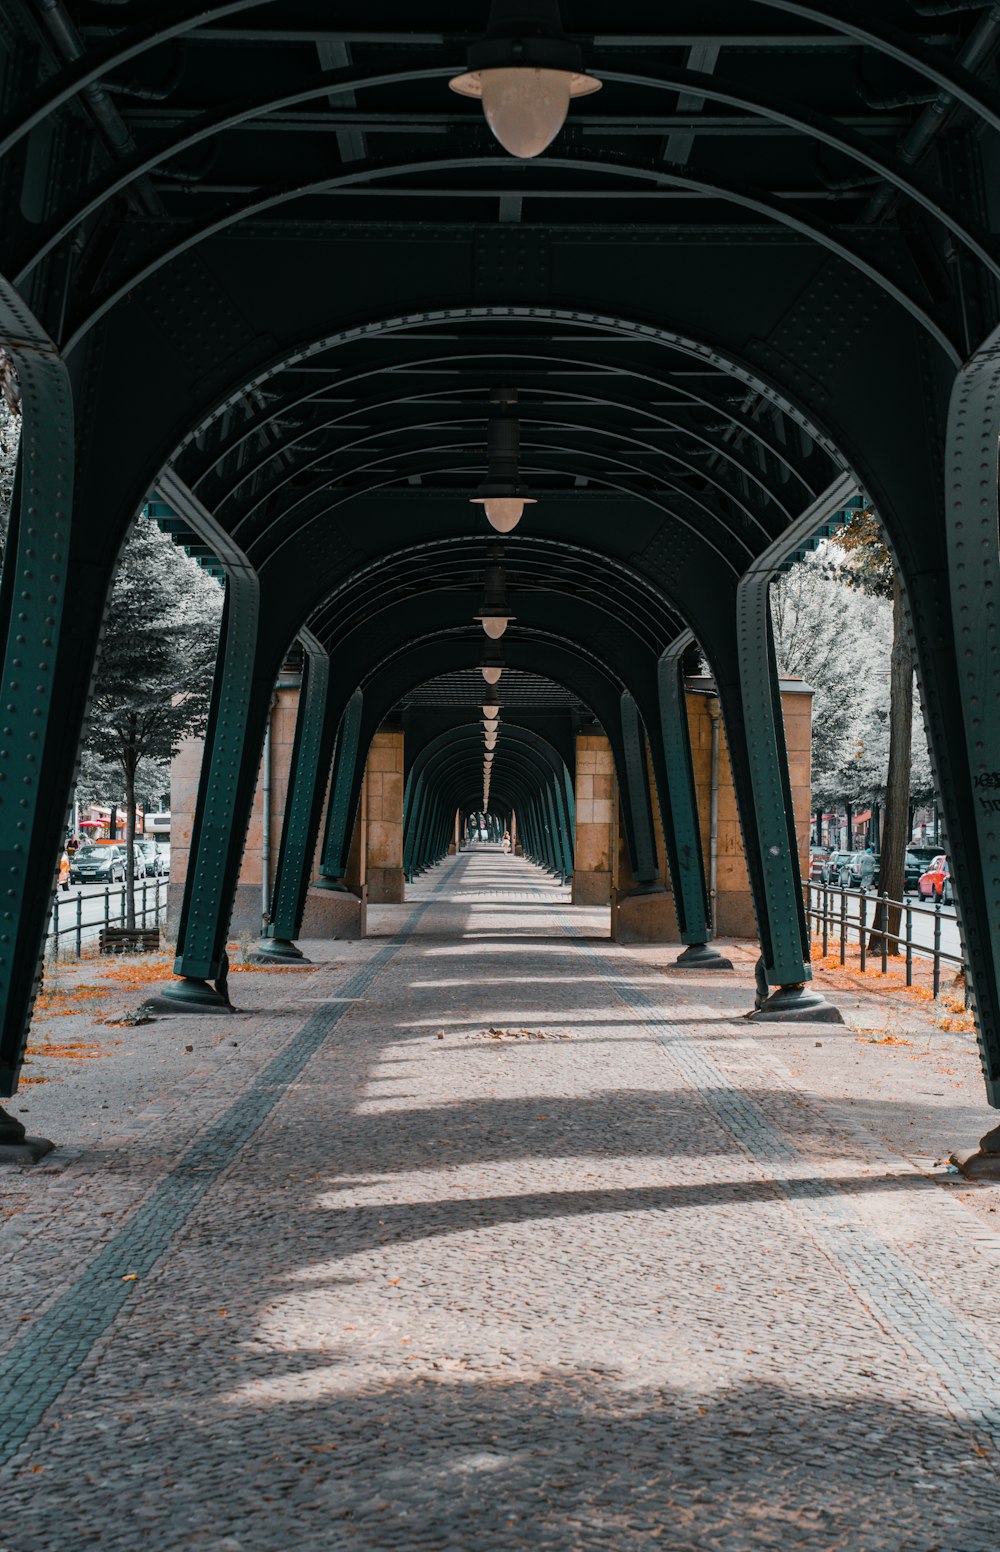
(525,71)
(502,495)
(494,611)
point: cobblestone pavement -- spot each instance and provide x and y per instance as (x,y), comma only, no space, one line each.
(491,1236)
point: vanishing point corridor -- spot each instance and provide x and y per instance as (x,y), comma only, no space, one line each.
(489,1234)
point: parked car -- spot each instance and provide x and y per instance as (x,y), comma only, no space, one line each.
(148,860)
(831,868)
(163,847)
(98,865)
(817,858)
(915,863)
(935,884)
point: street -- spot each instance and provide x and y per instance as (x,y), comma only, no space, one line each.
(80,912)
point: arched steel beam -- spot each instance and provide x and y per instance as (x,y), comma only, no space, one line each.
(526,419)
(266,417)
(710,87)
(727,194)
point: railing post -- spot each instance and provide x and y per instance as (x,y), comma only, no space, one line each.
(55,923)
(937,946)
(843,927)
(826,920)
(107,906)
(884,921)
(908,910)
(862,908)
(79,926)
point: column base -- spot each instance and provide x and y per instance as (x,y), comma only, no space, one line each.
(702,956)
(795,1005)
(17,1148)
(336,884)
(187,996)
(982,1163)
(277,951)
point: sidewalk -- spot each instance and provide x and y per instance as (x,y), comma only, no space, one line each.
(534,1244)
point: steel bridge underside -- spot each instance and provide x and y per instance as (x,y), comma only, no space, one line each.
(259,273)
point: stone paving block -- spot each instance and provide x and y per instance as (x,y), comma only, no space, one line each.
(531,1246)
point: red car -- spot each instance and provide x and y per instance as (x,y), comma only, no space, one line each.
(935,884)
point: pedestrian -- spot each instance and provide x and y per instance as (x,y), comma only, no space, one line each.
(506,841)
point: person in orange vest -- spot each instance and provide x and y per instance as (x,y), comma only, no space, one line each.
(64,870)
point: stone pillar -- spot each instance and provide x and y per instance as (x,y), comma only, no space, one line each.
(185,769)
(646,916)
(733,906)
(384,828)
(594,802)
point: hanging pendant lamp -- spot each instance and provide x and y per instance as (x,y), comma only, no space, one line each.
(525,71)
(502,495)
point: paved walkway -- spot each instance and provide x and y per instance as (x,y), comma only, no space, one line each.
(490,1236)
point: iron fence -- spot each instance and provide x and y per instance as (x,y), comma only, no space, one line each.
(85,923)
(830,908)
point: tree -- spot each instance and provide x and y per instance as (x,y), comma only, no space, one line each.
(154,673)
(872,569)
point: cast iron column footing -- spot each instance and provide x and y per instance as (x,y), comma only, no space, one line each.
(982,1163)
(15,1147)
(330,883)
(701,956)
(188,996)
(277,951)
(796,1005)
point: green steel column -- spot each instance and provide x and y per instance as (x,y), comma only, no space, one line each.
(973,794)
(413,804)
(681,827)
(241,700)
(340,817)
(639,828)
(51,627)
(760,731)
(303,804)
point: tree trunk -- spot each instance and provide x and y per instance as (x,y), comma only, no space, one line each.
(129,765)
(895,832)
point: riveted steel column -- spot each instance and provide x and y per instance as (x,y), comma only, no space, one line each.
(344,791)
(787,963)
(638,812)
(681,827)
(310,762)
(412,808)
(971,510)
(241,698)
(756,739)
(48,657)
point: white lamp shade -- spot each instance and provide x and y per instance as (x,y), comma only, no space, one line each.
(492,675)
(495,624)
(491,724)
(491,740)
(491,711)
(504,512)
(525,107)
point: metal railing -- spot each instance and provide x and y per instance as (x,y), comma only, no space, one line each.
(831,909)
(84,930)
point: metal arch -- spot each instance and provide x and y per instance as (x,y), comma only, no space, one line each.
(617,327)
(687,868)
(542,421)
(803,121)
(723,192)
(472,554)
(527,443)
(952,78)
(69,83)
(639,495)
(741,423)
(339,814)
